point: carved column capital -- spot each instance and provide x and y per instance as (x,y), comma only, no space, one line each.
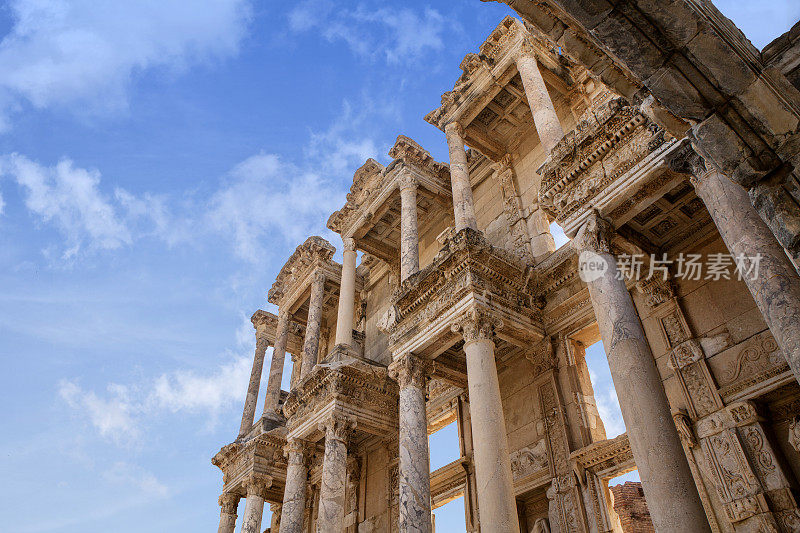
(454,128)
(594,235)
(228,502)
(348,244)
(296,451)
(526,49)
(411,370)
(685,160)
(477,324)
(407,181)
(337,427)
(257,485)
(319,277)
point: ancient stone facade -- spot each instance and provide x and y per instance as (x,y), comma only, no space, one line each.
(666,148)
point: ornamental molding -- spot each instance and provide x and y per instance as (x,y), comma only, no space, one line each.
(259,458)
(269,322)
(315,254)
(467,275)
(613,148)
(606,458)
(374,184)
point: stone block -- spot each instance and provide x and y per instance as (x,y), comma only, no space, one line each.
(639,54)
(677,94)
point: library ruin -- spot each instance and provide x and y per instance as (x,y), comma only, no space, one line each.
(667,147)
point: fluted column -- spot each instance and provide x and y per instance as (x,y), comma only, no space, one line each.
(496,499)
(463,206)
(248,416)
(273,395)
(347,294)
(412,373)
(254,506)
(666,479)
(311,342)
(227,515)
(294,494)
(776,289)
(334,475)
(544,113)
(409,235)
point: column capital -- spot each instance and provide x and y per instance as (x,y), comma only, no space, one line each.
(478,324)
(319,277)
(411,370)
(407,181)
(454,128)
(348,244)
(296,451)
(257,485)
(685,160)
(594,235)
(337,427)
(526,49)
(228,502)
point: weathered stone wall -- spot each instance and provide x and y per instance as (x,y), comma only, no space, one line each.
(631,507)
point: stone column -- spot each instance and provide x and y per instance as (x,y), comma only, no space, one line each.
(311,342)
(411,373)
(248,416)
(227,516)
(544,113)
(254,506)
(776,290)
(273,395)
(347,294)
(409,235)
(542,243)
(666,479)
(496,499)
(294,494)
(463,206)
(275,521)
(334,475)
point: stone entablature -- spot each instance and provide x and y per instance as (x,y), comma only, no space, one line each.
(269,321)
(259,458)
(448,482)
(486,72)
(354,389)
(605,459)
(614,150)
(467,273)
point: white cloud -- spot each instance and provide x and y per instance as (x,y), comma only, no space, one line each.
(83,54)
(399,35)
(122,473)
(113,416)
(610,413)
(69,198)
(207,393)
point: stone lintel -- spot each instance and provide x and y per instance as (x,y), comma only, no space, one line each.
(448,481)
(605,459)
(260,457)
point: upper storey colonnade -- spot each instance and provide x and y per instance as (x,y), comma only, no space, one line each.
(459,282)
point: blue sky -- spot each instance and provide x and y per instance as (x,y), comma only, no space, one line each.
(158,164)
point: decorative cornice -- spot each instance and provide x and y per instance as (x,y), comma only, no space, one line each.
(315,250)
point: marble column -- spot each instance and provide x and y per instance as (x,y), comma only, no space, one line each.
(544,113)
(670,491)
(254,506)
(409,235)
(334,475)
(776,290)
(275,521)
(294,494)
(347,294)
(463,206)
(496,498)
(411,373)
(313,325)
(227,516)
(542,243)
(248,416)
(273,395)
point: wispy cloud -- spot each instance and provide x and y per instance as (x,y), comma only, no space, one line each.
(112,416)
(84,55)
(397,35)
(124,473)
